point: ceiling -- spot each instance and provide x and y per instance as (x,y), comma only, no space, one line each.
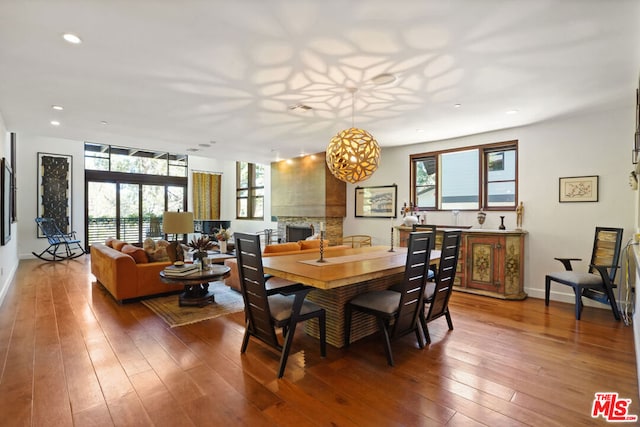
(221,77)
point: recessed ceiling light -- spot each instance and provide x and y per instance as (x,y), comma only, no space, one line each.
(512,112)
(57,107)
(419,130)
(300,107)
(383,79)
(104,123)
(192,150)
(55,123)
(457,105)
(72,38)
(204,145)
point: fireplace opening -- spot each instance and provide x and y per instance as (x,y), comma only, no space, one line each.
(298,232)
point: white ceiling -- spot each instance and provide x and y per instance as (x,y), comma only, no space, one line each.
(172,75)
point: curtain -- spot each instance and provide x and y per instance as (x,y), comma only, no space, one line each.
(206,195)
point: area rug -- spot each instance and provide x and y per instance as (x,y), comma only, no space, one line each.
(227,301)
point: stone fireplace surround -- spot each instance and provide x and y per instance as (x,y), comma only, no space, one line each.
(333,227)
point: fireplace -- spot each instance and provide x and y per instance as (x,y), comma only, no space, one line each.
(298,232)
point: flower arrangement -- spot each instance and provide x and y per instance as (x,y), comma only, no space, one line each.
(223,235)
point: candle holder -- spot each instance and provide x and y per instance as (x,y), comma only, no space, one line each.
(391,248)
(321,259)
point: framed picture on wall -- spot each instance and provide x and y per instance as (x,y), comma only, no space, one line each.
(579,189)
(377,202)
(54,189)
(7,196)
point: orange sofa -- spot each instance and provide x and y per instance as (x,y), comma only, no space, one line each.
(126,271)
(290,248)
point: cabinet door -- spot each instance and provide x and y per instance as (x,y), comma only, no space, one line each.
(485,263)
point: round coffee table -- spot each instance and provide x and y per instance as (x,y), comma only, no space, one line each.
(196,285)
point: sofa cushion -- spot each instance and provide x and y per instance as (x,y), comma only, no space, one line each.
(117,244)
(156,251)
(109,241)
(312,244)
(281,247)
(138,254)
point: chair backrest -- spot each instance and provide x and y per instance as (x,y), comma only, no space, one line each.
(446,274)
(414,282)
(252,284)
(357,240)
(50,230)
(427,229)
(606,249)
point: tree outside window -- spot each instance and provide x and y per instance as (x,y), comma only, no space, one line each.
(249,190)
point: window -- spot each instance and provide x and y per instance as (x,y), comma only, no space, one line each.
(127,191)
(470,178)
(249,190)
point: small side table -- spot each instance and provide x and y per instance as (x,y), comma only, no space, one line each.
(196,285)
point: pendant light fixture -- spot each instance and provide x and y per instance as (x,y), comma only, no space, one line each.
(353,154)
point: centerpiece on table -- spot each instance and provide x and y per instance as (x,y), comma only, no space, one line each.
(200,246)
(222,236)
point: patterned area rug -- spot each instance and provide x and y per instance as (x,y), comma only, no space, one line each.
(227,301)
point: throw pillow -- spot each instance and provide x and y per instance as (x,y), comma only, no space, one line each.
(117,244)
(109,241)
(138,254)
(312,244)
(159,252)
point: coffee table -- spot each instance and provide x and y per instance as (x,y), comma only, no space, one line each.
(196,285)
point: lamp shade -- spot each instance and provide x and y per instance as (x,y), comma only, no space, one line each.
(177,222)
(353,155)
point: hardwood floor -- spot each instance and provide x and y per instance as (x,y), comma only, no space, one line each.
(72,356)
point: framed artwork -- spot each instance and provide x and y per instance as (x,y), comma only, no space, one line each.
(7,196)
(376,202)
(579,189)
(54,189)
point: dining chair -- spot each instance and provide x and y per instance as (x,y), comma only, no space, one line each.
(356,240)
(438,293)
(266,311)
(397,310)
(598,282)
(433,268)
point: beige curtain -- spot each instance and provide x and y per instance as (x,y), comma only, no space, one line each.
(206,195)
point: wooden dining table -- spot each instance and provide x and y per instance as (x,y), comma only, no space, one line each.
(342,274)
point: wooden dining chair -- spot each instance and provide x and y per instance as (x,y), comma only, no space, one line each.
(438,293)
(265,311)
(598,282)
(397,309)
(431,229)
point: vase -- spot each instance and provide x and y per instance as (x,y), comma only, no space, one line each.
(502,227)
(223,246)
(409,220)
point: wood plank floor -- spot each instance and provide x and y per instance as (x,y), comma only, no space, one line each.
(70,355)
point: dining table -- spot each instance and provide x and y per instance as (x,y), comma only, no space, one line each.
(338,276)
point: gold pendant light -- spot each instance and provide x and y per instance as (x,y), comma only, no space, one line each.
(353,154)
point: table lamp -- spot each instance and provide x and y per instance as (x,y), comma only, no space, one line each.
(177,223)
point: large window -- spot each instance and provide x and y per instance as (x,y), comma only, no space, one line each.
(472,178)
(249,190)
(128,190)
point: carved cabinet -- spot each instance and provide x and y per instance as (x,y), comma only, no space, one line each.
(491,262)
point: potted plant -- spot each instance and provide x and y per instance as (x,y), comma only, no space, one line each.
(200,246)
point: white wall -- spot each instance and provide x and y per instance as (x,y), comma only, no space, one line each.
(595,144)
(8,257)
(27,155)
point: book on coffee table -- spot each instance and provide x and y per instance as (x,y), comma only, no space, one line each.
(184,270)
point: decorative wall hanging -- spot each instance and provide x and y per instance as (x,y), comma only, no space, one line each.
(579,189)
(376,201)
(7,196)
(54,189)
(206,195)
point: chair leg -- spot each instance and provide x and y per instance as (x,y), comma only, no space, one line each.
(578,293)
(612,302)
(425,330)
(547,289)
(448,316)
(322,325)
(387,340)
(347,325)
(288,339)
(419,334)
(245,339)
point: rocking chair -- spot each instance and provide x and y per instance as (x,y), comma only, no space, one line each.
(61,246)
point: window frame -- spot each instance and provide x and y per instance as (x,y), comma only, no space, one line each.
(483,151)
(250,190)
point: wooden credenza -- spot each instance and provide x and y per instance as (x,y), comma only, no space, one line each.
(491,262)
